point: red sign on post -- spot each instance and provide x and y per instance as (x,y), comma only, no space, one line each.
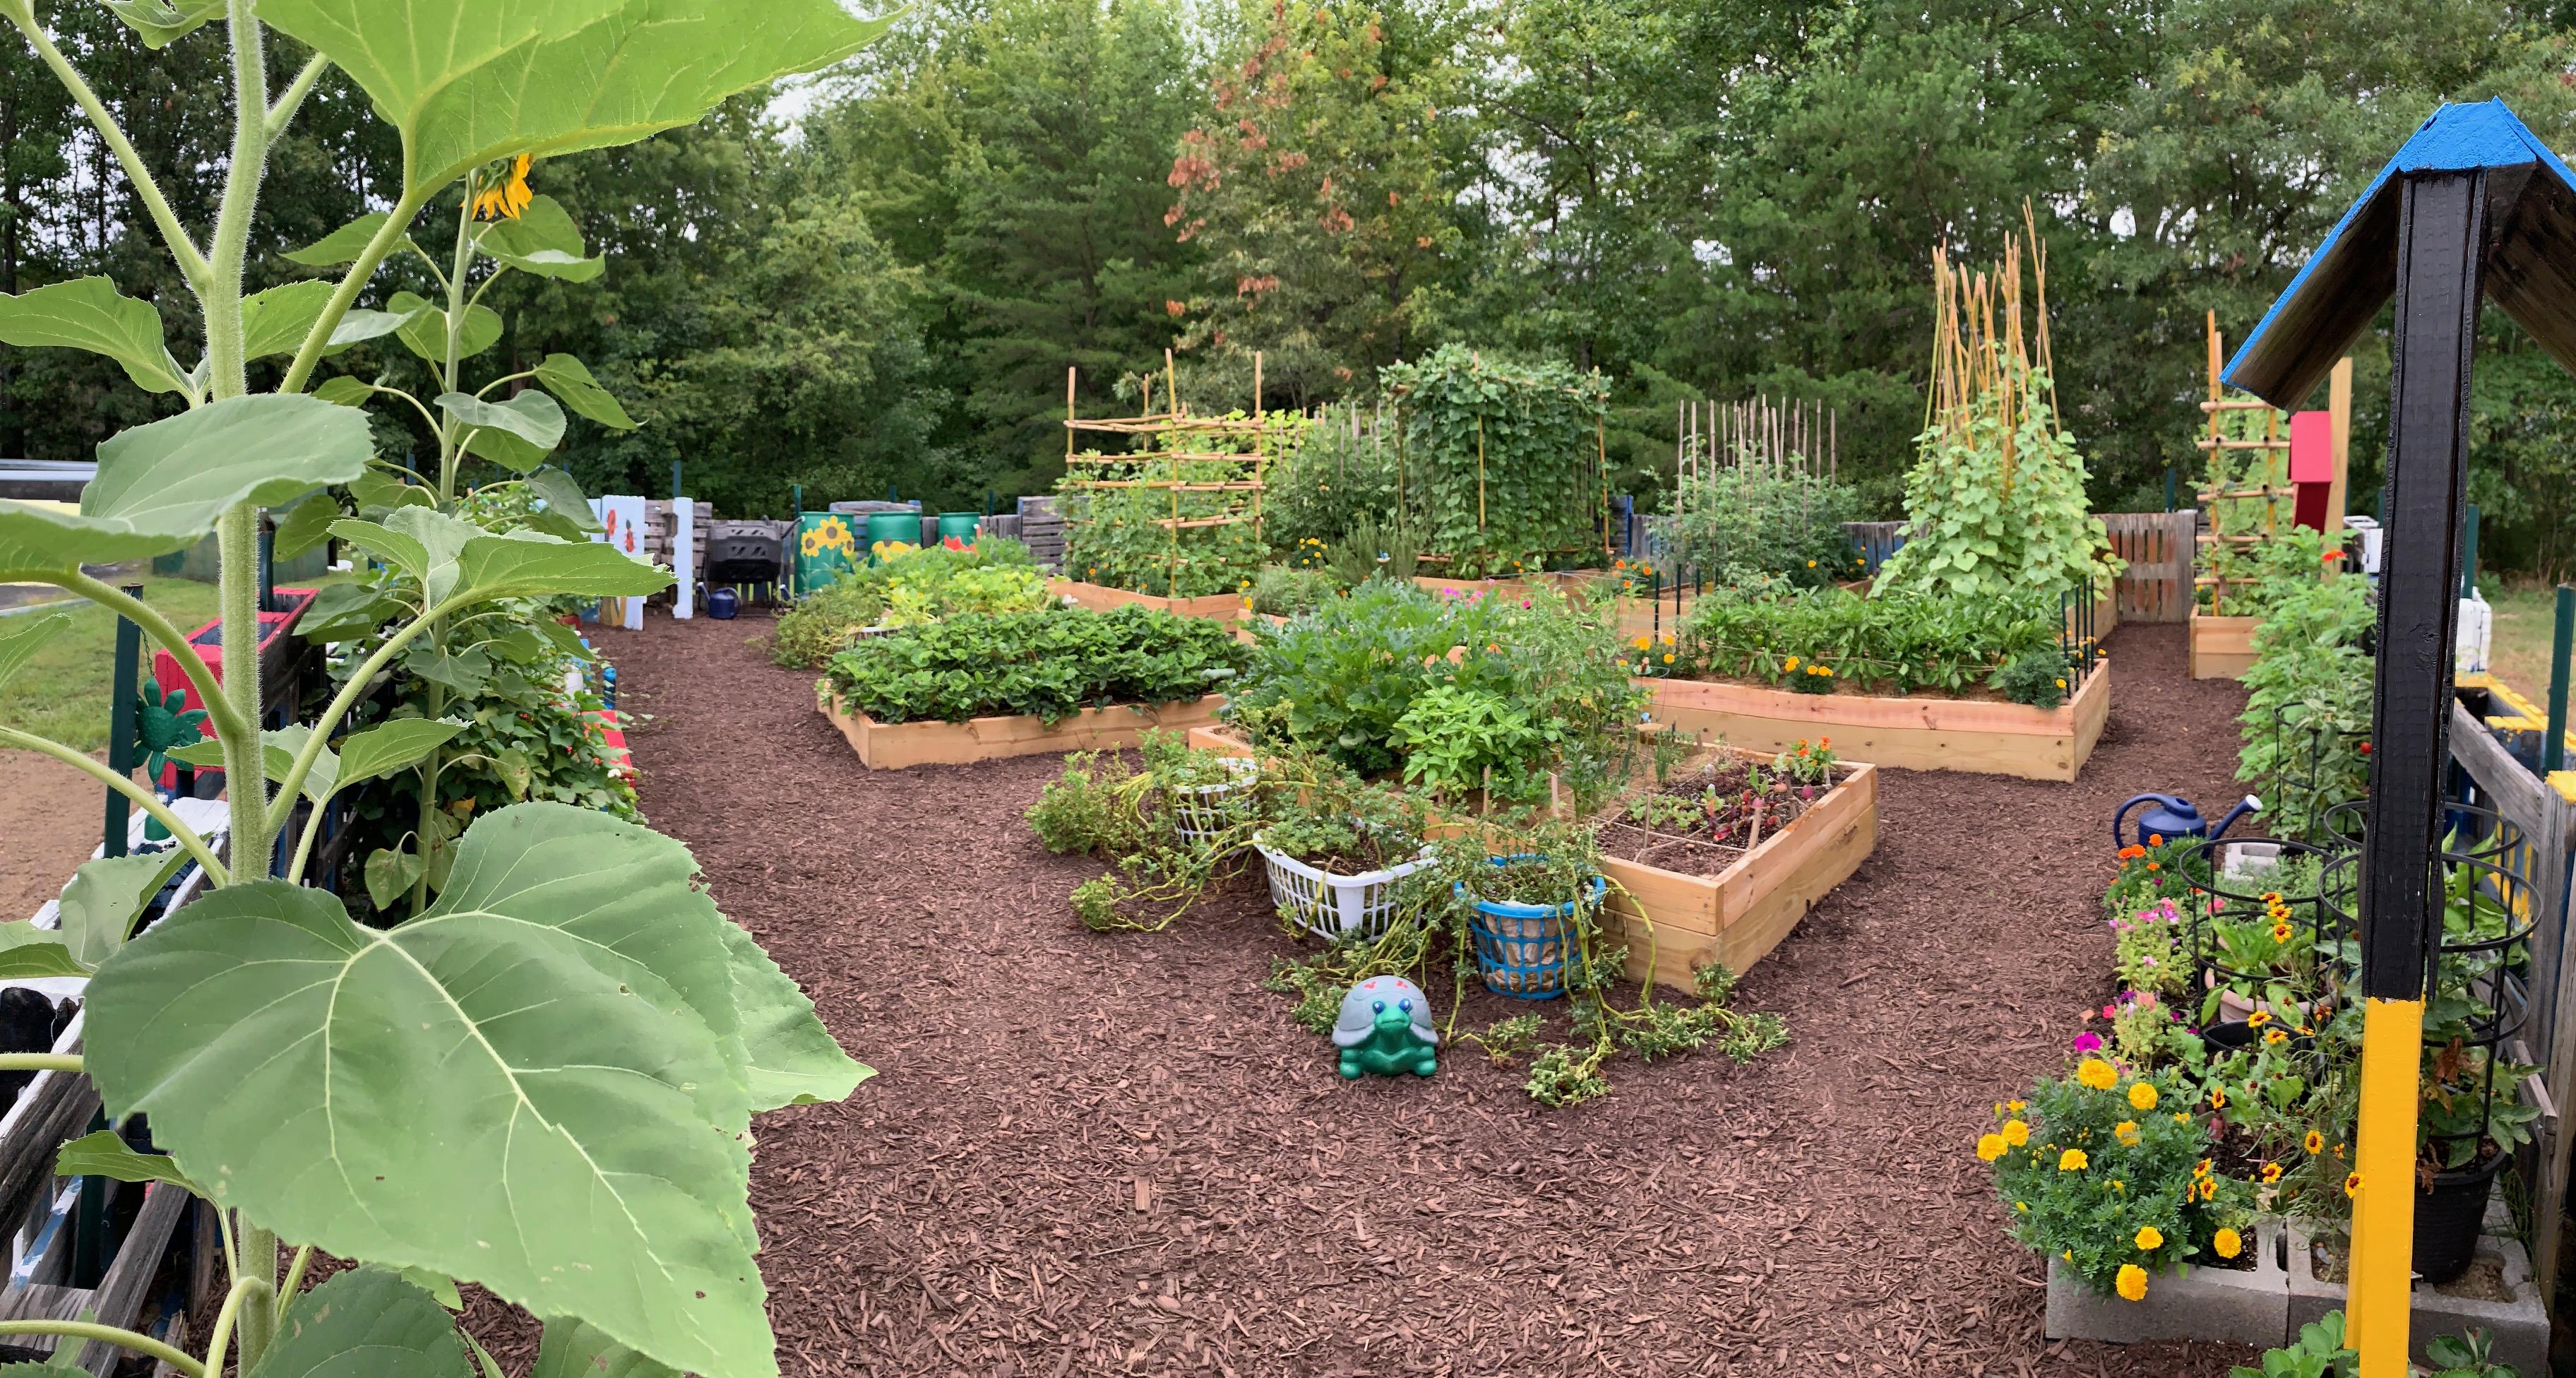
(2311,466)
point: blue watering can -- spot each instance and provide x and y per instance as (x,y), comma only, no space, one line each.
(2173,816)
(723,604)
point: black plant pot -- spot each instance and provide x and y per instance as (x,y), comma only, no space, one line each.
(2448,1218)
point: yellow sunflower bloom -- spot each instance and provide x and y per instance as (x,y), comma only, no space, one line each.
(506,194)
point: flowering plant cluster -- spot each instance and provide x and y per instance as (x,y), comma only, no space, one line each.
(2112,1175)
(2150,946)
(2160,868)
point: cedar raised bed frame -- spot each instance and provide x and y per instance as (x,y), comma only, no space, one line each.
(1223,607)
(2222,647)
(1738,915)
(898,746)
(1915,733)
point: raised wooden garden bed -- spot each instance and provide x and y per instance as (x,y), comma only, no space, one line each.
(1224,607)
(1739,914)
(2222,647)
(896,746)
(1919,732)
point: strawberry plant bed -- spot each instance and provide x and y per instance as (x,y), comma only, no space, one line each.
(2222,647)
(1223,607)
(1705,868)
(1915,732)
(897,746)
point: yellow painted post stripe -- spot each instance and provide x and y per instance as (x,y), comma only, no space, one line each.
(2379,1298)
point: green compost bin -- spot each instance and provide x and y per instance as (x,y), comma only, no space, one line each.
(958,526)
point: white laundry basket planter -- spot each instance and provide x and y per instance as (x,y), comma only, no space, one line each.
(1201,812)
(1335,906)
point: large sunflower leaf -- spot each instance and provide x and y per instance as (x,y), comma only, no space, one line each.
(90,314)
(575,1349)
(344,244)
(469,81)
(570,379)
(277,320)
(26,950)
(469,1092)
(528,564)
(162,23)
(160,487)
(22,636)
(364,1323)
(793,1058)
(517,432)
(543,240)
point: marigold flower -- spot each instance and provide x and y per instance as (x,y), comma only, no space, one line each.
(2132,852)
(2315,1143)
(2142,1095)
(2202,1170)
(2271,1173)
(1668,657)
(2073,1160)
(1789,666)
(2096,1073)
(1990,1147)
(2258,1019)
(2228,1243)
(2016,1133)
(2275,1036)
(2133,1282)
(2126,1129)
(2352,1185)
(2155,839)
(2218,1098)
(2280,931)
(1642,642)
(2153,866)
(2208,1188)
(2150,1238)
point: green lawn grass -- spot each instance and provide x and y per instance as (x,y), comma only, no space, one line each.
(2519,653)
(62,692)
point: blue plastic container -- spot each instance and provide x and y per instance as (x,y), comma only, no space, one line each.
(1522,950)
(723,604)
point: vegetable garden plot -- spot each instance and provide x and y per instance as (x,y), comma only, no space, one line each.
(1049,1070)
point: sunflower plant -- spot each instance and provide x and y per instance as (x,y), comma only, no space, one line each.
(2111,1175)
(542,1082)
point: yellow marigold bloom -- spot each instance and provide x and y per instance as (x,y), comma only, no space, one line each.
(2208,1188)
(2072,1160)
(2280,932)
(2126,1131)
(2150,1238)
(2016,1133)
(2271,1173)
(2258,1019)
(2142,1095)
(1641,642)
(506,195)
(2352,1185)
(2133,1282)
(2315,1143)
(1668,657)
(2275,1036)
(2096,1073)
(1990,1147)
(1789,666)
(2228,1243)
(2218,1098)
(2202,1170)
(2013,1106)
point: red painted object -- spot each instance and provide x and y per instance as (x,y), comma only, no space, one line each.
(2311,466)
(207,641)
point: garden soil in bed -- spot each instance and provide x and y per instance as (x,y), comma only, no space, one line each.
(1090,1154)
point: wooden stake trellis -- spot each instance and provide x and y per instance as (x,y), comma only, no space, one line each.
(1782,435)
(2274,489)
(1174,437)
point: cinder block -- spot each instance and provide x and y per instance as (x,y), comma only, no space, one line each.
(2251,1307)
(2520,1326)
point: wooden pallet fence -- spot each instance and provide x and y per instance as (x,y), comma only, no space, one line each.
(2156,586)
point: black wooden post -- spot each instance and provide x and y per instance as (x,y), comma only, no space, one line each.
(2441,255)
(124,673)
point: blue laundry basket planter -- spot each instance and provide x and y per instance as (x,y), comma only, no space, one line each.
(1522,950)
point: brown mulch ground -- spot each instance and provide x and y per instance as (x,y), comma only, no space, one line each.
(1094,1154)
(49,822)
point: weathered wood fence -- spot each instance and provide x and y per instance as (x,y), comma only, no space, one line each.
(2156,587)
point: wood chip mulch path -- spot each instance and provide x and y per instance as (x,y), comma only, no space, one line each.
(1089,1154)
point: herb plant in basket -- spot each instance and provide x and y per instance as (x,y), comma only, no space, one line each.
(1339,853)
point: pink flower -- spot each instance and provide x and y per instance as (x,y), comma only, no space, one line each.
(2088,1042)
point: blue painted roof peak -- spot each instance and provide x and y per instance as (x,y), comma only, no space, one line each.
(2485,134)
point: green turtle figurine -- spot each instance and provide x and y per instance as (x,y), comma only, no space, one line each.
(1385,1029)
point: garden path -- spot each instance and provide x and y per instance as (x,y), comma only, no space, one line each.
(1094,1154)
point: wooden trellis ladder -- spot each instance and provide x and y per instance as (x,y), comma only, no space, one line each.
(1174,437)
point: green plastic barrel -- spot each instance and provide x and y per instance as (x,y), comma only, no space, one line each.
(958,526)
(893,526)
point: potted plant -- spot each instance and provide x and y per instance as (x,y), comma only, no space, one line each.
(1338,855)
(1530,921)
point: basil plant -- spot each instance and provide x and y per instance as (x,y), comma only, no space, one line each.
(542,1080)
